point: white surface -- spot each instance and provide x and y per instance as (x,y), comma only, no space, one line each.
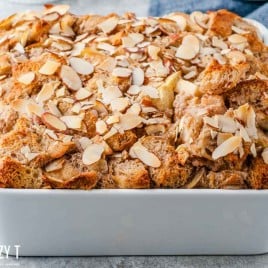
(134,222)
(140,7)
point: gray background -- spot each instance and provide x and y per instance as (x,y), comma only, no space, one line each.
(141,7)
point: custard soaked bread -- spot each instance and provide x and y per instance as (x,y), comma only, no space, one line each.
(124,102)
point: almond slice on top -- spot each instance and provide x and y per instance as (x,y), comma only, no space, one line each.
(34,108)
(55,165)
(121,72)
(45,93)
(92,154)
(61,9)
(137,76)
(101,127)
(141,152)
(72,121)
(189,48)
(81,66)
(53,122)
(70,78)
(265,155)
(119,104)
(129,121)
(227,147)
(49,68)
(82,94)
(26,78)
(108,25)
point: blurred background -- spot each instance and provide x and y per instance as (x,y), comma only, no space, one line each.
(252,9)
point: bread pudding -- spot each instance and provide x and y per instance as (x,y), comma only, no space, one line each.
(115,101)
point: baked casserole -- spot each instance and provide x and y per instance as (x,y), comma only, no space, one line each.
(115,101)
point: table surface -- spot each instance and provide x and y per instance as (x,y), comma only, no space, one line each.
(104,7)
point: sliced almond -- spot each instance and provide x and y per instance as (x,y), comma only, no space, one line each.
(26,78)
(108,25)
(46,92)
(119,104)
(72,121)
(227,124)
(60,9)
(84,142)
(265,155)
(134,109)
(55,165)
(49,68)
(92,154)
(101,127)
(121,72)
(221,137)
(150,91)
(51,17)
(253,149)
(251,123)
(134,90)
(129,121)
(180,20)
(153,51)
(53,122)
(70,78)
(112,119)
(83,94)
(227,147)
(189,48)
(237,39)
(111,93)
(106,47)
(186,87)
(148,158)
(212,121)
(216,42)
(81,66)
(236,57)
(34,108)
(137,76)
(136,37)
(53,108)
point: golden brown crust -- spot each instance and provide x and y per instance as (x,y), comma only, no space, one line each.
(258,174)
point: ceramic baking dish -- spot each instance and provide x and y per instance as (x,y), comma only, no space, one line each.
(134,222)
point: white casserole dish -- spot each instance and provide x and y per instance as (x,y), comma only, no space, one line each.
(134,222)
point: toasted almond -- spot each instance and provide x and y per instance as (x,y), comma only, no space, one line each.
(55,165)
(148,158)
(92,153)
(84,142)
(150,91)
(83,94)
(153,51)
(106,47)
(128,42)
(46,92)
(134,90)
(227,147)
(136,37)
(53,108)
(134,109)
(77,107)
(53,122)
(227,124)
(189,48)
(119,104)
(216,42)
(180,20)
(101,127)
(49,68)
(237,39)
(187,88)
(239,30)
(265,155)
(111,93)
(110,133)
(108,25)
(72,121)
(112,119)
(51,17)
(60,9)
(26,78)
(121,72)
(241,112)
(81,66)
(34,108)
(137,76)
(236,57)
(253,149)
(129,121)
(212,121)
(251,123)
(70,78)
